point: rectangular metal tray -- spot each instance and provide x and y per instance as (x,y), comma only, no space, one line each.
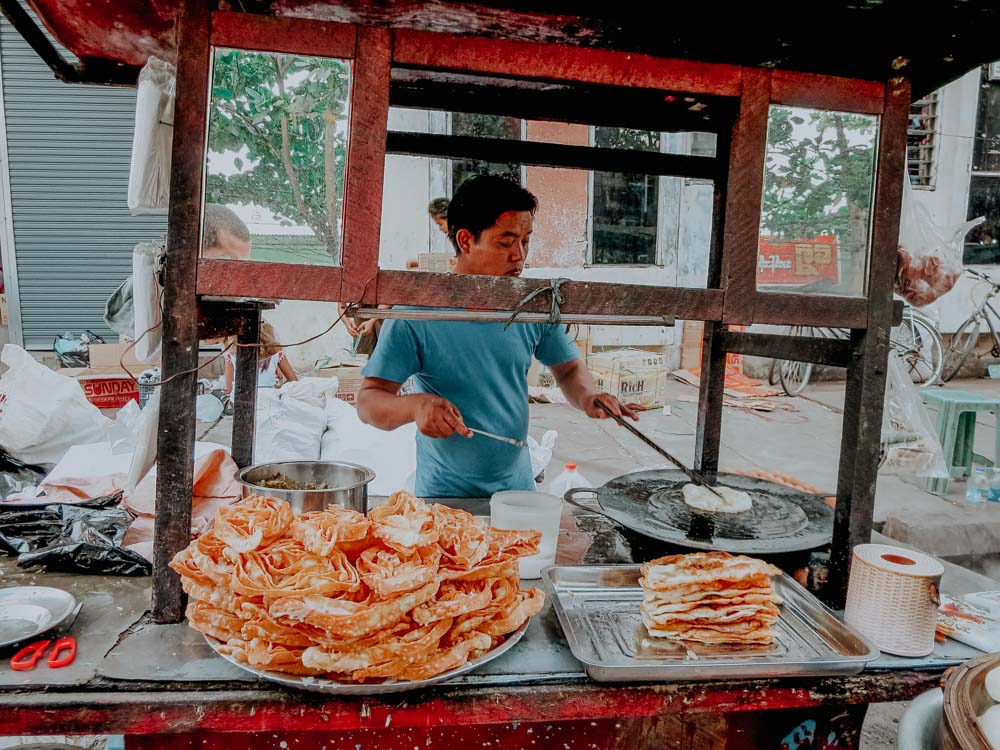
(598,608)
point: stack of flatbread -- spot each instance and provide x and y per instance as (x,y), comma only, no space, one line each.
(709,597)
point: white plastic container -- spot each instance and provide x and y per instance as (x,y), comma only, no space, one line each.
(569,479)
(530,510)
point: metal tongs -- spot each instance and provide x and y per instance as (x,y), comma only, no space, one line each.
(693,475)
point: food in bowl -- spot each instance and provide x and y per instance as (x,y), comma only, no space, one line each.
(280,482)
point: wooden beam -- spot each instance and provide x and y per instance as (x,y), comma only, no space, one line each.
(585,297)
(291,36)
(563,63)
(245,389)
(365,164)
(830,352)
(257,280)
(866,375)
(821,310)
(745,190)
(176,437)
(587,104)
(827,92)
(534,153)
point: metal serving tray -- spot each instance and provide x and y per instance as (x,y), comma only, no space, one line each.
(598,608)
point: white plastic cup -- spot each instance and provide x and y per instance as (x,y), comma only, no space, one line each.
(523,511)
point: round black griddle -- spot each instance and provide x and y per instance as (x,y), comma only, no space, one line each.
(651,503)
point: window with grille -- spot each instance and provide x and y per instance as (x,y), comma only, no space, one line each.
(920,141)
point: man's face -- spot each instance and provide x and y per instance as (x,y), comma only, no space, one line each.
(442,223)
(500,249)
(227,246)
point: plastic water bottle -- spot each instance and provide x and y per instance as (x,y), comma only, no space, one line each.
(978,488)
(570,478)
(994,493)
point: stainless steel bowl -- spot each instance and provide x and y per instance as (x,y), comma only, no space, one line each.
(348,484)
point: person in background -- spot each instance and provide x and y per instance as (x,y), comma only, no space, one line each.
(273,369)
(225,235)
(438,210)
(365,335)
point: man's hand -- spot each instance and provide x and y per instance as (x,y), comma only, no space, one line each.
(437,417)
(353,328)
(614,405)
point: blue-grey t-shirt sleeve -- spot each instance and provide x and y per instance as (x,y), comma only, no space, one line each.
(555,346)
(397,353)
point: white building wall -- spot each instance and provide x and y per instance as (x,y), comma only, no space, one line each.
(958,104)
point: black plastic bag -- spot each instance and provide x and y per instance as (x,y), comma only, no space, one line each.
(15,476)
(72,537)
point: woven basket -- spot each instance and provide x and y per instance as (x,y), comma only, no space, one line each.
(965,699)
(892,598)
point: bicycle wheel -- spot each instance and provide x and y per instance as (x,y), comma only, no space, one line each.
(772,375)
(794,376)
(920,348)
(963,341)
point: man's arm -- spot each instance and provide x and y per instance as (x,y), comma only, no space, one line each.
(576,383)
(380,405)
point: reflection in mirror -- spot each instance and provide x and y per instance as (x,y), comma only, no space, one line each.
(819,178)
(277,150)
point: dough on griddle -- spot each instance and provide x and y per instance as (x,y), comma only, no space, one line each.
(732,500)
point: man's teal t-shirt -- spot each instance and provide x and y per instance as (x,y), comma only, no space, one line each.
(483,370)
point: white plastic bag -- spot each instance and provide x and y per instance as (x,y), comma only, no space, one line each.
(149,173)
(145,441)
(541,452)
(391,454)
(313,391)
(929,258)
(43,414)
(286,429)
(910,446)
(146,295)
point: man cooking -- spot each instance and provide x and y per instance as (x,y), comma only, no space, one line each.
(472,374)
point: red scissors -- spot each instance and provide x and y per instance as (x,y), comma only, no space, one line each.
(29,656)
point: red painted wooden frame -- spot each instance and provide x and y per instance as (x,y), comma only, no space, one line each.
(561,63)
(291,36)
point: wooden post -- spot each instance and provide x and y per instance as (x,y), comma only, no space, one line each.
(862,427)
(245,390)
(366,164)
(175,444)
(708,433)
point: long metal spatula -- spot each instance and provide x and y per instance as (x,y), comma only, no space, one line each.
(693,475)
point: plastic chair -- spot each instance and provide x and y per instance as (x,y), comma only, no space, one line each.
(956,428)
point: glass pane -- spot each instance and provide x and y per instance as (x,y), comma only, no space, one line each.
(625,205)
(819,177)
(277,150)
(484,126)
(982,245)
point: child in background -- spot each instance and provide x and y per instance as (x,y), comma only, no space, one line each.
(273,369)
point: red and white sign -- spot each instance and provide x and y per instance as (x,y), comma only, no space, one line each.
(795,262)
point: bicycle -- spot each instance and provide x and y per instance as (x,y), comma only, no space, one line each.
(916,339)
(966,337)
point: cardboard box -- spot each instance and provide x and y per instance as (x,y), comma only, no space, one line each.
(633,376)
(105,390)
(3,309)
(436,262)
(350,378)
(108,358)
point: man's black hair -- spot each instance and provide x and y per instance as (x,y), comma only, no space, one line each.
(478,203)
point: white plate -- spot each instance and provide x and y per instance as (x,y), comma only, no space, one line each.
(28,611)
(323,685)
